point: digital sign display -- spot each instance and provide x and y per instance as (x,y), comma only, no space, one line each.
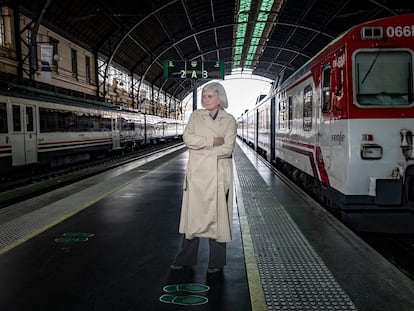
(186,69)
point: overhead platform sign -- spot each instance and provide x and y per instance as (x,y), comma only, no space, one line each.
(187,69)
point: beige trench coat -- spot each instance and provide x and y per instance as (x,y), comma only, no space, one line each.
(209,177)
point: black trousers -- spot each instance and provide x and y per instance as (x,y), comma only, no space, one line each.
(189,253)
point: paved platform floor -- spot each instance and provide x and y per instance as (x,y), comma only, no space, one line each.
(106,243)
(125,264)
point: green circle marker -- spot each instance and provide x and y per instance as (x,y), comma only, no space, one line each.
(78,235)
(190,287)
(191,300)
(71,240)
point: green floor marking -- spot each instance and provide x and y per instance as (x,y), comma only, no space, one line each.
(191,287)
(70,240)
(78,235)
(74,237)
(191,300)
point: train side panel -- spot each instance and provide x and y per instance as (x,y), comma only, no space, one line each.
(52,134)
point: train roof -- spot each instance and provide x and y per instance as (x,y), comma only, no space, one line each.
(350,34)
(139,35)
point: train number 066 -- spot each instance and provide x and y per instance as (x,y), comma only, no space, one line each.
(400,31)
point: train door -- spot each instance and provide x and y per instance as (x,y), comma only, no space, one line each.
(23,134)
(256,129)
(324,122)
(272,129)
(116,132)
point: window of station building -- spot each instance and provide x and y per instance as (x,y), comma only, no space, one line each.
(2,29)
(55,60)
(3,118)
(74,57)
(28,37)
(307,108)
(88,69)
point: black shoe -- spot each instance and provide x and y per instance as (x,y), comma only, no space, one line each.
(176,267)
(213,270)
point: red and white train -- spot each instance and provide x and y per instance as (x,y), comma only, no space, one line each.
(343,125)
(60,132)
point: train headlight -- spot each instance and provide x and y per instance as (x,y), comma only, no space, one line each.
(371,152)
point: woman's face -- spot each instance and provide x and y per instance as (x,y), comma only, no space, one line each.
(210,100)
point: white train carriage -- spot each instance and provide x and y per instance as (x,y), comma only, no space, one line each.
(351,105)
(344,123)
(37,132)
(55,134)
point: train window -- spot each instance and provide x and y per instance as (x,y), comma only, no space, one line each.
(290,113)
(337,81)
(127,125)
(106,124)
(95,123)
(17,122)
(84,122)
(283,115)
(307,108)
(326,89)
(384,78)
(30,119)
(3,118)
(53,120)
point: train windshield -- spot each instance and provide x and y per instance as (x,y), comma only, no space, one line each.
(384,78)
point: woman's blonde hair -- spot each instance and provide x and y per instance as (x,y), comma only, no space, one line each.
(219,89)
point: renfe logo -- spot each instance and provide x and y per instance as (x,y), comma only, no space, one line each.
(338,138)
(339,62)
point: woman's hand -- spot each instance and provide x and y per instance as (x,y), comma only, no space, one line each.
(218,141)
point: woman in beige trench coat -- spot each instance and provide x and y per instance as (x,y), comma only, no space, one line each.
(207,206)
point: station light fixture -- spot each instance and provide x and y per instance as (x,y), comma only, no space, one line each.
(242,21)
(255,32)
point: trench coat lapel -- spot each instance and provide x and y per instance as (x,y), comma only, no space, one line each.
(214,125)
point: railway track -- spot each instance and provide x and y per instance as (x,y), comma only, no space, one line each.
(397,248)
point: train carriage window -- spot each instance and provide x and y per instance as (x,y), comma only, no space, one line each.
(283,115)
(3,118)
(30,119)
(337,81)
(290,111)
(17,122)
(84,122)
(307,108)
(106,124)
(95,123)
(52,120)
(384,78)
(326,89)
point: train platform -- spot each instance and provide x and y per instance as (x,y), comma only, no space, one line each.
(107,242)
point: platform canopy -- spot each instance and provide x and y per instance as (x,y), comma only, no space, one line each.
(267,37)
